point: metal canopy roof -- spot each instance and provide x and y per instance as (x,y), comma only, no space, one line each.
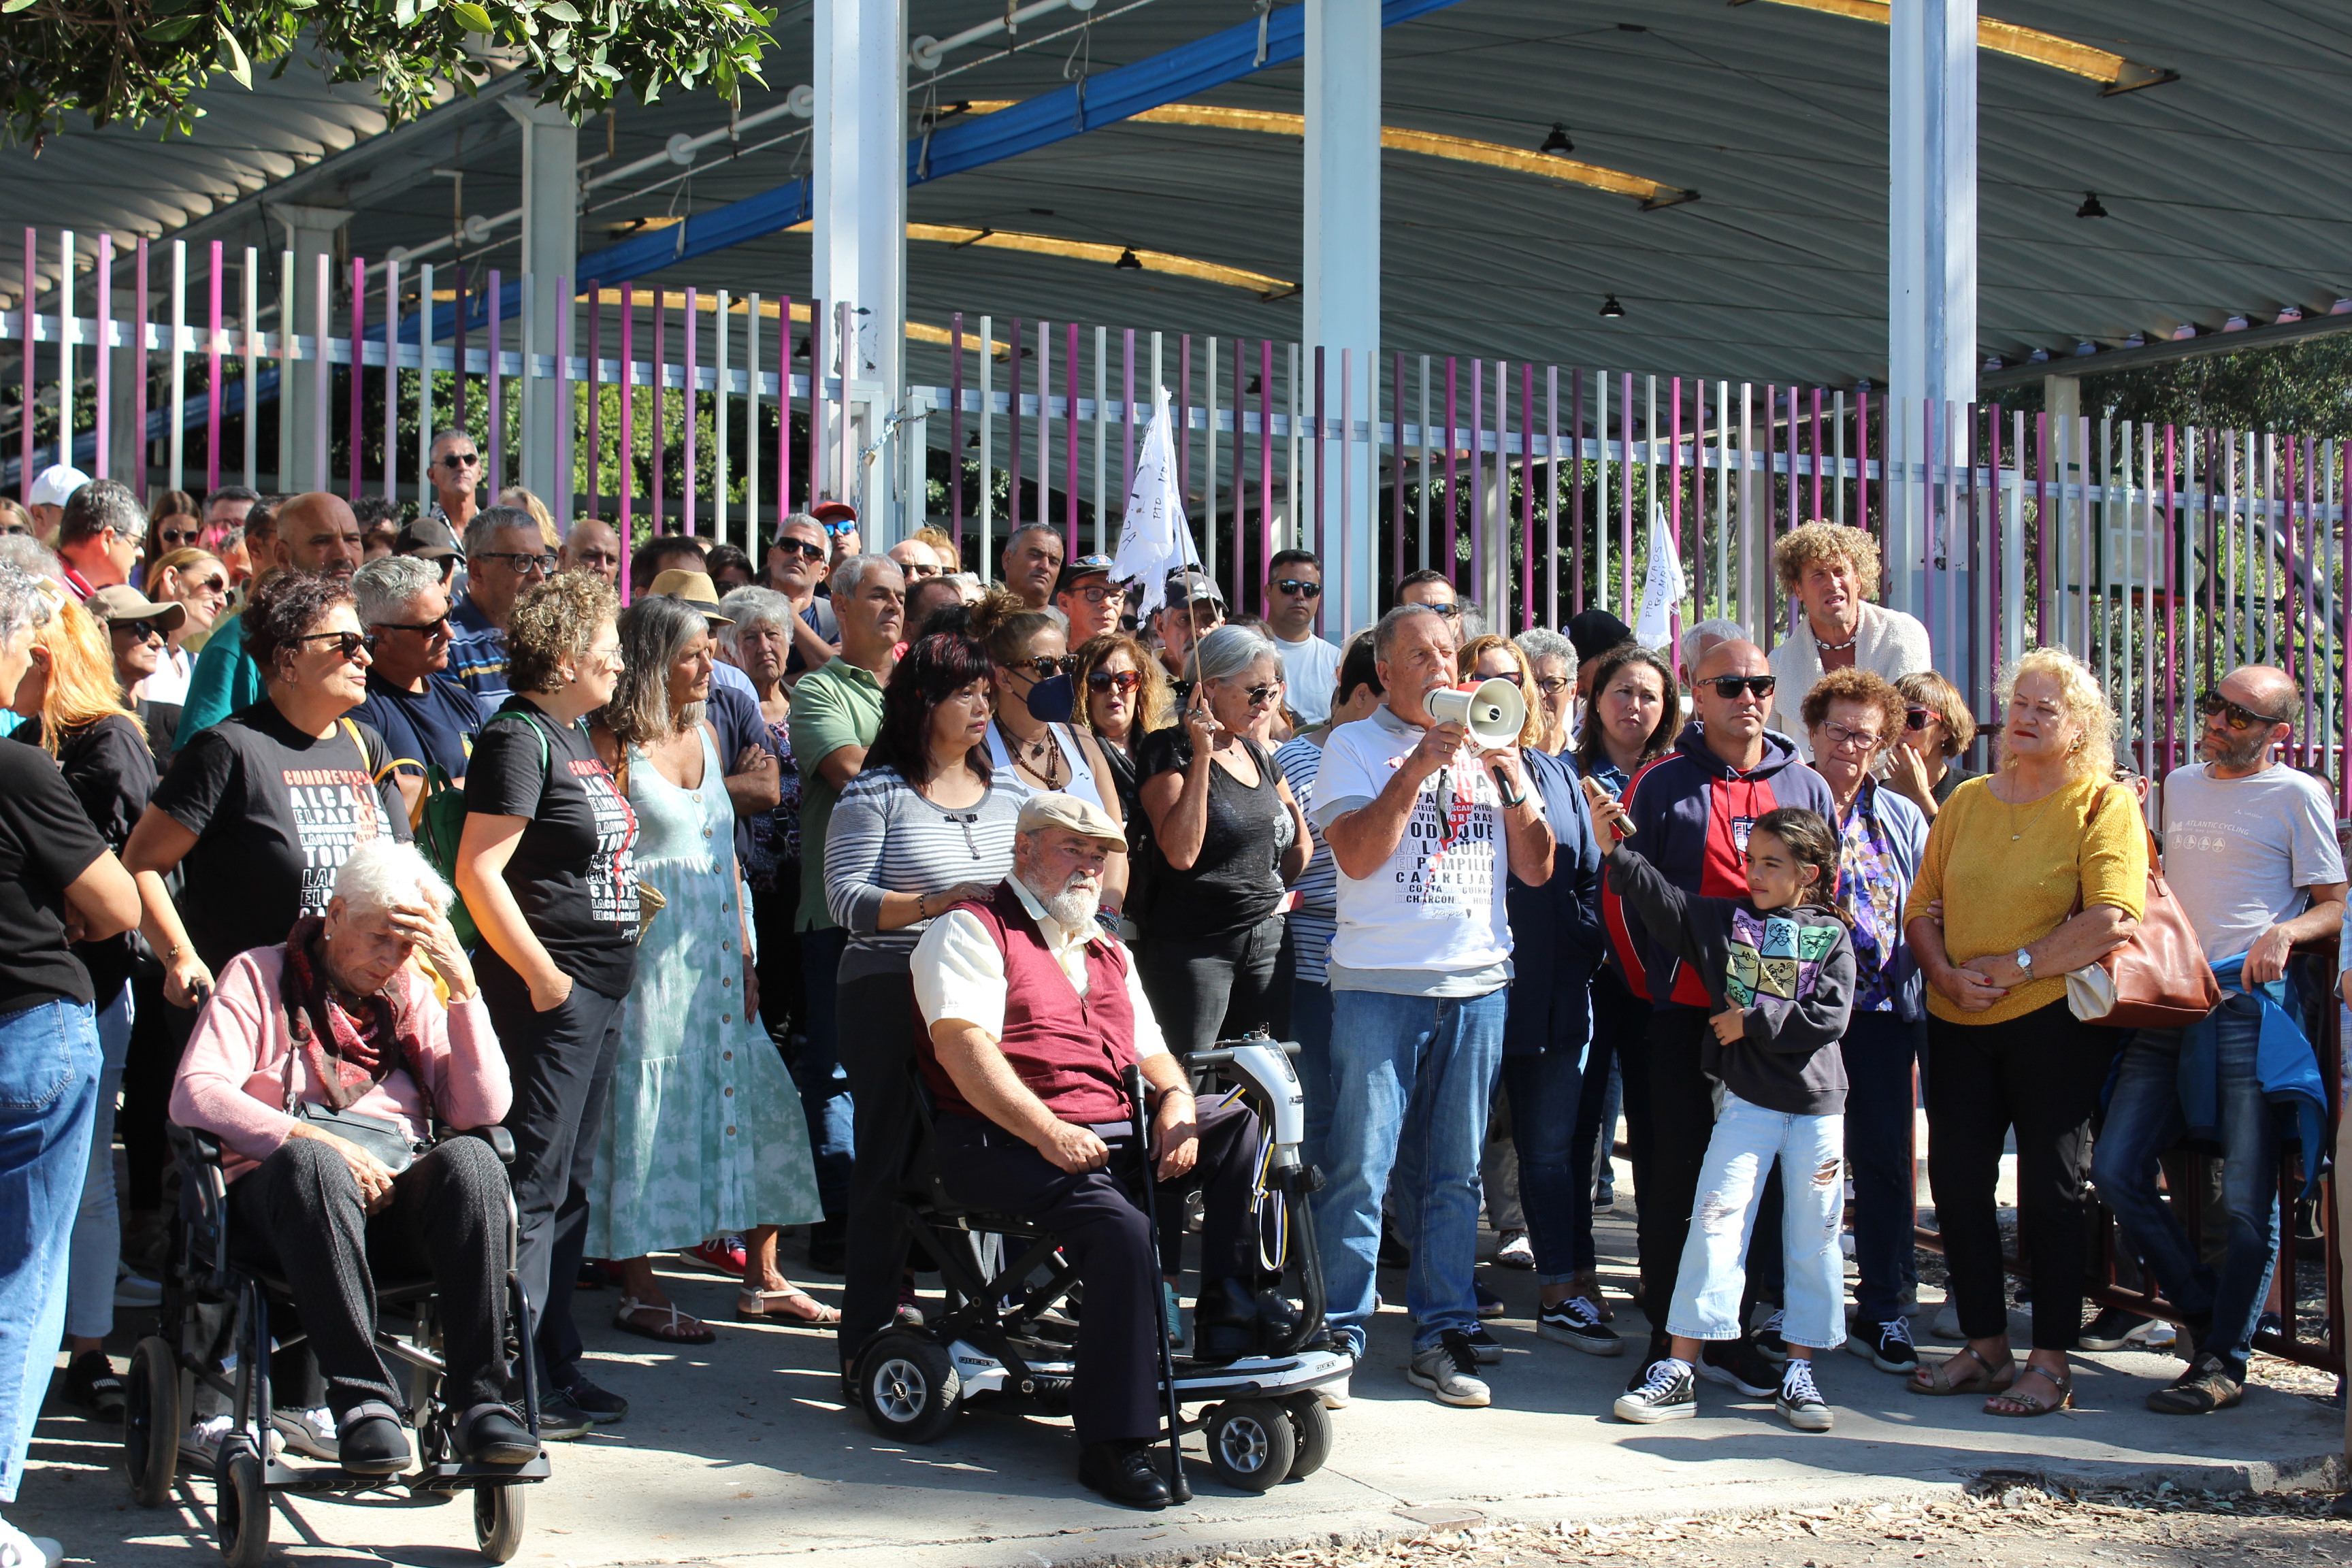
(2225,188)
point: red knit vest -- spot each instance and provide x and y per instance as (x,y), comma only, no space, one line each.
(1071,1051)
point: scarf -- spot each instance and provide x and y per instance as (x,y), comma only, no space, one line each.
(345,1053)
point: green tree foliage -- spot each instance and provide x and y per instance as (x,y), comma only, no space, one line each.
(138,61)
(2306,388)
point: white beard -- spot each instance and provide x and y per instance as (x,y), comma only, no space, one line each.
(1073,908)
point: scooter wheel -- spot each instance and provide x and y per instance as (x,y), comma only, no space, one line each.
(1311,1424)
(1252,1444)
(910,1389)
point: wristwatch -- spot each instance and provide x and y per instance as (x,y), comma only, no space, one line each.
(2025,962)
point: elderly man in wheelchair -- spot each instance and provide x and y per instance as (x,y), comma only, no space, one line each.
(1033,1015)
(320,1067)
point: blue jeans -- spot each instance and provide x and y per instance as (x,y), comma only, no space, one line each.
(2144,1120)
(1412,1077)
(49,1067)
(1711,1280)
(1879,1050)
(1310,1025)
(818,1074)
(98,1225)
(1547,1090)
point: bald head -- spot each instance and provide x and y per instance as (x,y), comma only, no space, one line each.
(2265,687)
(1735,658)
(593,546)
(317,532)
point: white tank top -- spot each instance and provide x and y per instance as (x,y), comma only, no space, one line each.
(1082,776)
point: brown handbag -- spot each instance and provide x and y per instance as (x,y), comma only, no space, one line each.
(2157,980)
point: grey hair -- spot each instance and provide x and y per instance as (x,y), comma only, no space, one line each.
(1542,642)
(1384,634)
(748,607)
(851,572)
(1696,638)
(28,555)
(802,520)
(101,506)
(654,632)
(382,872)
(382,587)
(1474,620)
(490,519)
(22,601)
(1231,650)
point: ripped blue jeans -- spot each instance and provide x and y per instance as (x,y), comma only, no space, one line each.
(1713,1274)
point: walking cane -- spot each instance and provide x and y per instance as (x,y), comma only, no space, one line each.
(1179,1488)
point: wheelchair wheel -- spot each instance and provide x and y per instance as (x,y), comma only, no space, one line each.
(909,1388)
(1311,1424)
(152,1421)
(498,1520)
(241,1506)
(1252,1444)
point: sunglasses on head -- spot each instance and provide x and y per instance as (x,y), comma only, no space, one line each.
(1729,686)
(802,548)
(1045,665)
(348,644)
(1918,718)
(1112,681)
(2213,705)
(1303,590)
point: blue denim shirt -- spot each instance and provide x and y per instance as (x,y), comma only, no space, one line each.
(1557,941)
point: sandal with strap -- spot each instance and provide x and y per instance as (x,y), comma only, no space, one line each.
(1939,1378)
(790,1304)
(670,1333)
(2020,1405)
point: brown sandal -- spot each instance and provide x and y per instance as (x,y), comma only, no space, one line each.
(1987,1379)
(790,1305)
(2022,1406)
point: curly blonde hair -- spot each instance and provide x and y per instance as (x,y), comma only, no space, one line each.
(2085,703)
(1816,542)
(557,620)
(1531,729)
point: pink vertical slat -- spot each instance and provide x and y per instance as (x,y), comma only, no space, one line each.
(625,476)
(497,391)
(354,387)
(955,429)
(138,377)
(1396,480)
(1183,420)
(1527,495)
(1478,481)
(1070,442)
(1264,471)
(1241,441)
(1347,478)
(212,373)
(1675,481)
(692,326)
(1862,462)
(595,467)
(1625,499)
(2173,663)
(816,396)
(660,372)
(1817,456)
(105,366)
(784,407)
(1127,424)
(1576,487)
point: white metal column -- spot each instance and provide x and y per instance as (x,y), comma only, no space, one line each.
(310,234)
(1342,246)
(550,250)
(1931,261)
(858,250)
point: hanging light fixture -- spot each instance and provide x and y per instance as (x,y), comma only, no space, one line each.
(2090,207)
(1128,262)
(1558,142)
(1610,307)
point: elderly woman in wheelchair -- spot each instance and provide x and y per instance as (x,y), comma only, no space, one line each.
(321,1066)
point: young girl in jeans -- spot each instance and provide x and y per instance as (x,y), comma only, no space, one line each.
(1778,965)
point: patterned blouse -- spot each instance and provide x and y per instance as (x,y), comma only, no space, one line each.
(1870,889)
(775,840)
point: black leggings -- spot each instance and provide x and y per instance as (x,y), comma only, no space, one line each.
(2043,1075)
(1206,989)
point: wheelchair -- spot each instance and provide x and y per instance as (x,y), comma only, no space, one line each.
(1007,1338)
(168,1366)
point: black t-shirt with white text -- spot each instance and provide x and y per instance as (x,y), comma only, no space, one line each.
(47,842)
(276,814)
(573,872)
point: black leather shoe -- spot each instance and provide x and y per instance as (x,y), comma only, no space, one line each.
(369,1441)
(495,1435)
(1123,1473)
(599,1404)
(1229,1321)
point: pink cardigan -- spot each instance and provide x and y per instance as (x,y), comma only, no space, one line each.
(232,1080)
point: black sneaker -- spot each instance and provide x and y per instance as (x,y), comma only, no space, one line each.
(1798,1401)
(1736,1364)
(1485,1346)
(599,1404)
(1887,1346)
(91,1382)
(1768,1341)
(2212,1384)
(560,1420)
(1449,1369)
(1489,1304)
(1575,1322)
(369,1441)
(2112,1330)
(1663,1392)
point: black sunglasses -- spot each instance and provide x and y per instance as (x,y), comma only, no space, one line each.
(173,538)
(1259,694)
(1729,686)
(1045,665)
(348,644)
(460,459)
(2213,705)
(437,629)
(1918,717)
(1303,590)
(802,548)
(144,631)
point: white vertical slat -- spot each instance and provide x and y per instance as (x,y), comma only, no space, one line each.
(1102,429)
(987,445)
(751,442)
(322,413)
(252,363)
(1297,489)
(1422,484)
(425,389)
(2266,538)
(2013,597)
(1837,435)
(66,336)
(718,401)
(391,381)
(1209,404)
(1551,498)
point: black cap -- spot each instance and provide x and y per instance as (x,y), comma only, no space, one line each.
(429,537)
(1188,584)
(1595,632)
(1077,571)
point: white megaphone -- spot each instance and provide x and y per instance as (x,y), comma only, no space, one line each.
(1492,712)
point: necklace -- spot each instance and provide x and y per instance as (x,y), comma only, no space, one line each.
(2014,808)
(1045,747)
(1837,647)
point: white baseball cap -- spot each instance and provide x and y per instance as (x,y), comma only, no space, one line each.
(55,485)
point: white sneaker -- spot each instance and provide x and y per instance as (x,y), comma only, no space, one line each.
(1334,1394)
(310,1432)
(1449,1369)
(206,1436)
(1517,1251)
(137,1290)
(18,1549)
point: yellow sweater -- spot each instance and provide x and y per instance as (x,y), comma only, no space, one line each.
(2010,875)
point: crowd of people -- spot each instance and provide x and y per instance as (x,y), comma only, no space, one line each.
(325,830)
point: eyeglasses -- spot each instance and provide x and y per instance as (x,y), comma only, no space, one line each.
(1045,665)
(1551,685)
(1100,593)
(1259,696)
(461,459)
(348,644)
(1303,590)
(607,658)
(802,548)
(1841,736)
(1112,681)
(1918,718)
(433,630)
(141,631)
(920,569)
(2213,705)
(1729,686)
(523,562)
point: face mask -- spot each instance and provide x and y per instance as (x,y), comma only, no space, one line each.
(1054,700)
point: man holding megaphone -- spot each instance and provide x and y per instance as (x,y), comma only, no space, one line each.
(1428,814)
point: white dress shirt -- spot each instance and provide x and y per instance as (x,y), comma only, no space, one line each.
(959,971)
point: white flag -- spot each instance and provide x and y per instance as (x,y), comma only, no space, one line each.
(1155,539)
(1663,585)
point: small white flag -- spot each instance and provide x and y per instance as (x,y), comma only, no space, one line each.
(1663,585)
(1155,539)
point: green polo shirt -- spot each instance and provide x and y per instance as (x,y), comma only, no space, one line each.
(840,705)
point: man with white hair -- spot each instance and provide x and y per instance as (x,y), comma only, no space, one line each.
(505,553)
(1696,639)
(426,718)
(1034,1013)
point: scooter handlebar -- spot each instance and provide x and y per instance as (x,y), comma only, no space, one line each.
(1215,1055)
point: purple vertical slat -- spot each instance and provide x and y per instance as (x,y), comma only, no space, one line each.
(1675,472)
(1013,469)
(494,391)
(691,324)
(595,470)
(845,462)
(24,425)
(1862,462)
(1452,512)
(1576,487)
(955,428)
(1127,430)
(1396,480)
(1070,443)
(561,501)
(392,378)
(2173,663)
(1317,470)
(459,419)
(1625,502)
(1265,472)
(105,365)
(1477,482)
(1966,537)
(658,370)
(1817,454)
(2343,770)
(212,375)
(1698,501)
(138,377)
(816,399)
(785,409)
(354,387)
(1527,495)
(1241,445)
(2312,566)
(625,476)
